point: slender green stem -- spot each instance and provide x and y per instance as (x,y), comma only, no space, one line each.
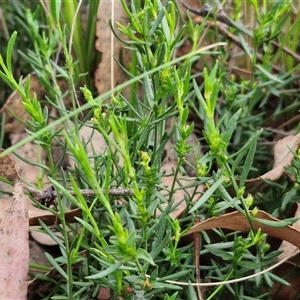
(72,20)
(216,291)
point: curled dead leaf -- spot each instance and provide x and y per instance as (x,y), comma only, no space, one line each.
(282,158)
(237,221)
(50,219)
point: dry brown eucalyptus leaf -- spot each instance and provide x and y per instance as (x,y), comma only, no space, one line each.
(282,158)
(50,219)
(237,221)
(14,246)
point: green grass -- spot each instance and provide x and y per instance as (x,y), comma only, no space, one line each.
(135,247)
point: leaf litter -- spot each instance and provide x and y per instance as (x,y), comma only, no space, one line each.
(233,221)
(14,229)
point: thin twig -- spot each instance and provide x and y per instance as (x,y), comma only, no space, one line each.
(294,55)
(49,194)
(206,10)
(197,260)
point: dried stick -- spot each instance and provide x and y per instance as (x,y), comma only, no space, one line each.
(197,260)
(48,196)
(206,10)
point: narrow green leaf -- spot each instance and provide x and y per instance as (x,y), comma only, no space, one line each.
(160,53)
(164,24)
(247,144)
(86,225)
(148,91)
(160,285)
(158,20)
(154,274)
(249,264)
(44,277)
(275,224)
(288,197)
(191,292)
(178,37)
(207,194)
(160,241)
(144,255)
(245,45)
(248,164)
(52,234)
(278,279)
(230,127)
(91,29)
(129,221)
(219,252)
(66,193)
(55,9)
(55,264)
(213,72)
(3,75)
(231,201)
(185,114)
(175,276)
(199,96)
(268,75)
(174,296)
(241,28)
(60,70)
(214,96)
(106,272)
(9,52)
